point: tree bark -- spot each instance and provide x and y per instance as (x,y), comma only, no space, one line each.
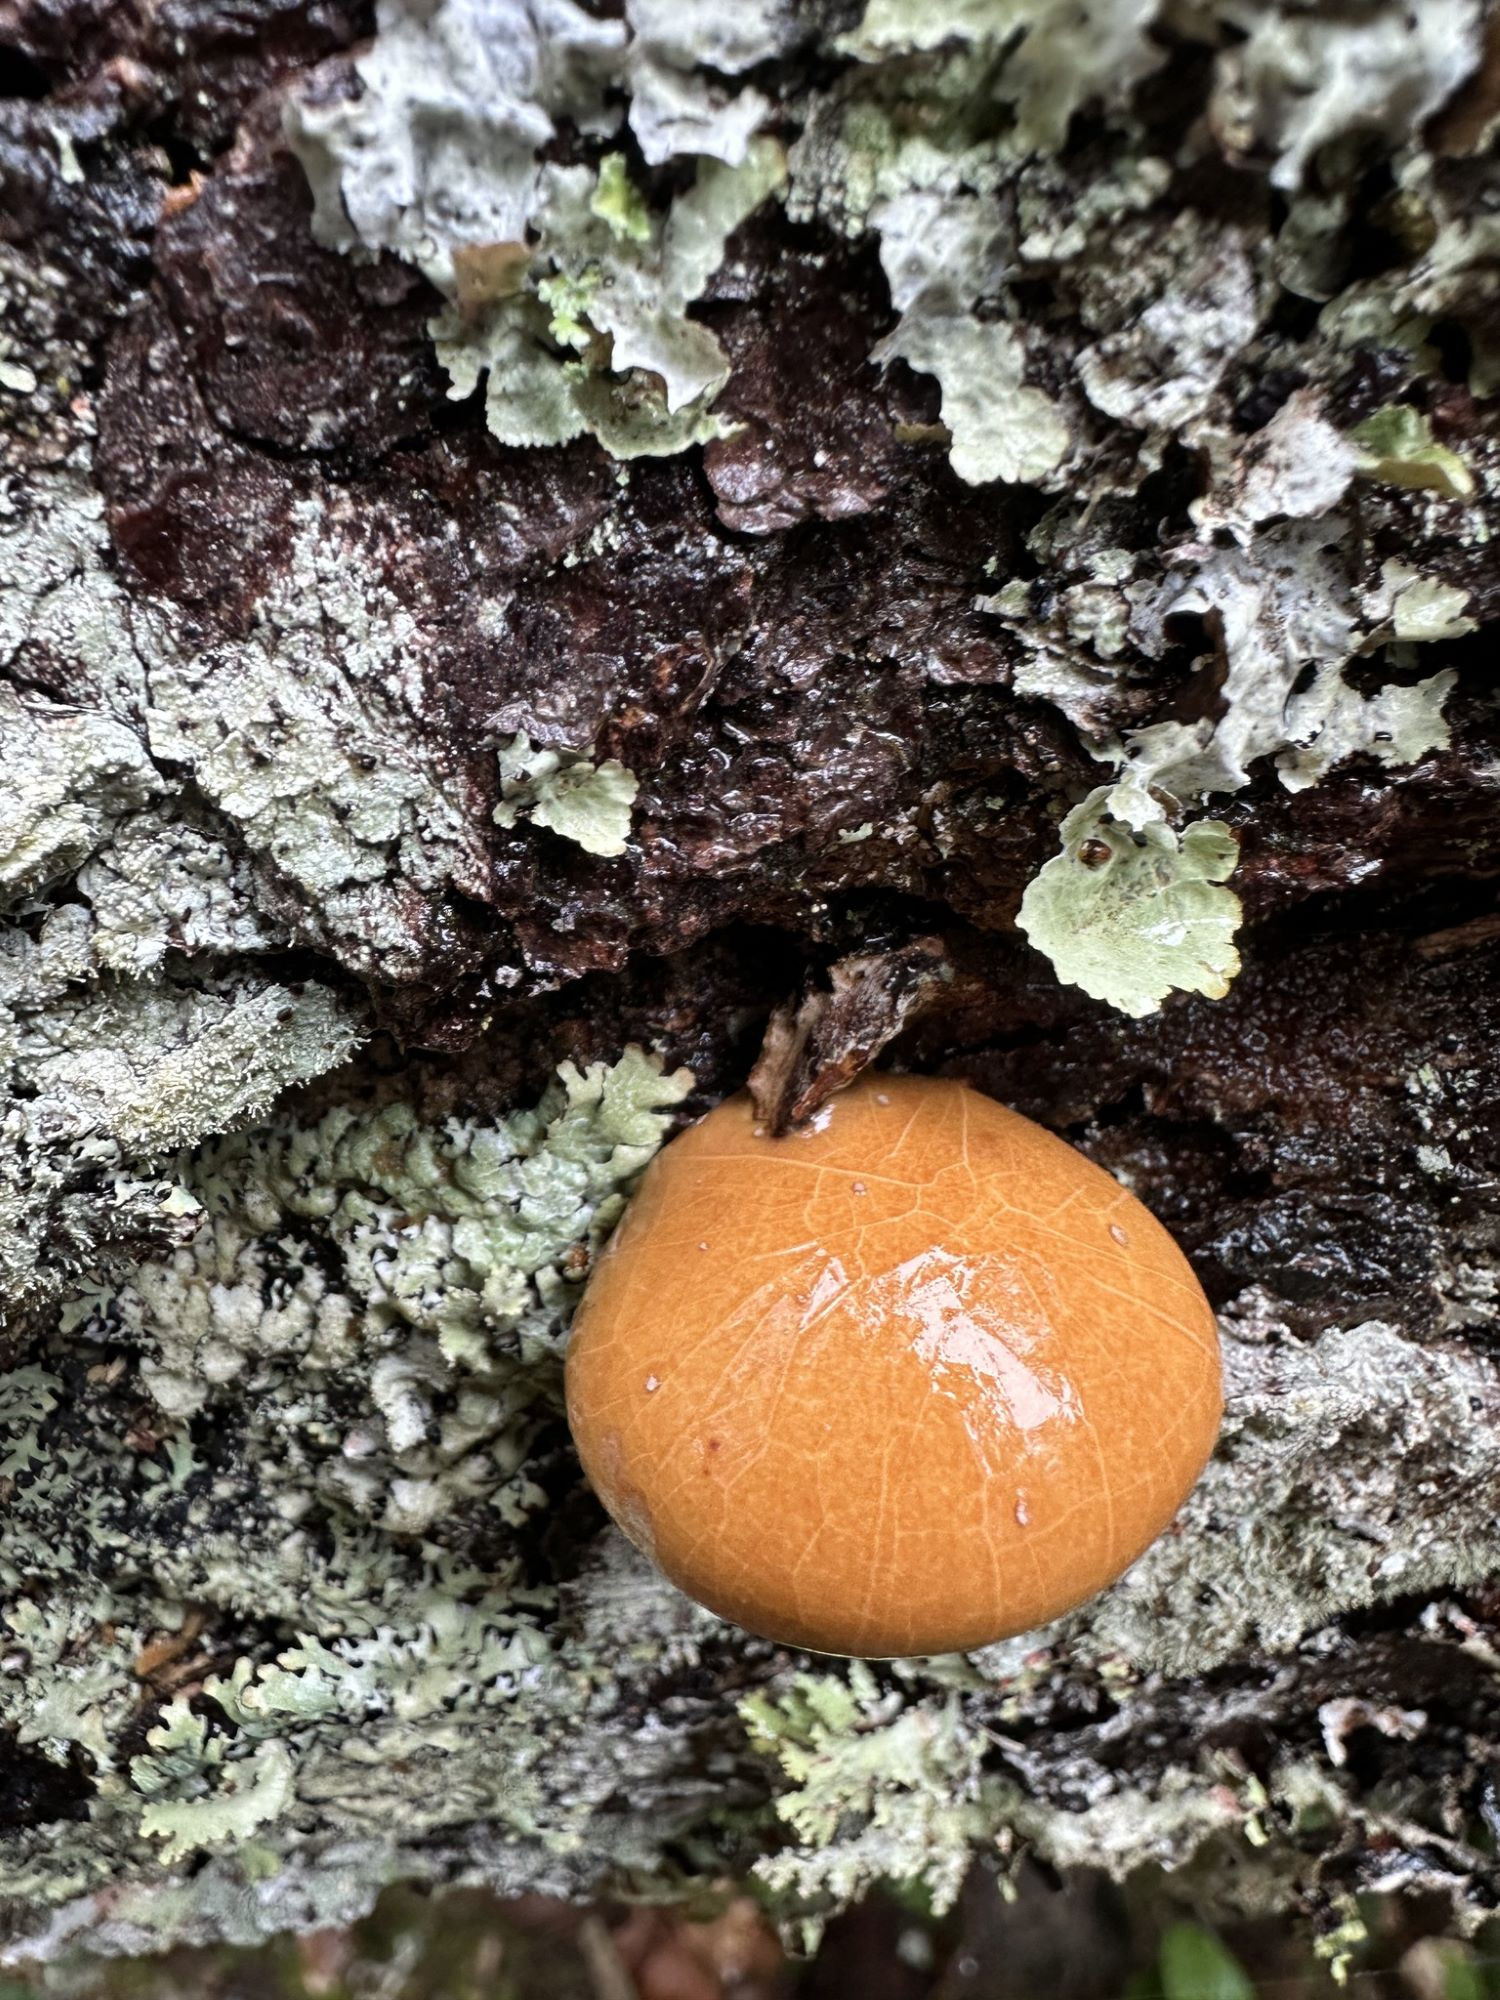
(1104,427)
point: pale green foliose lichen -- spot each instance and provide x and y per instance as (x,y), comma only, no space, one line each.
(1299,80)
(437,151)
(222,1805)
(470,1236)
(965,206)
(570,293)
(1133,914)
(941,256)
(1289,616)
(685,63)
(1285,605)
(1424,609)
(585,802)
(1058,55)
(75,773)
(1397,444)
(602,342)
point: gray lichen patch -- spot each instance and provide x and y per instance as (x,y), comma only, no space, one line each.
(1288,619)
(941,256)
(303,744)
(140,1062)
(879,1788)
(59,601)
(99,1087)
(161,885)
(434,150)
(372,1310)
(1045,57)
(1299,83)
(112,1057)
(76,774)
(123,1032)
(1376,1463)
(300,734)
(1285,606)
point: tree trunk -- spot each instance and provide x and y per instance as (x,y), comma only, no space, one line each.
(538,544)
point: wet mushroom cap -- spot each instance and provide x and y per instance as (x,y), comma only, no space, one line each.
(911,1381)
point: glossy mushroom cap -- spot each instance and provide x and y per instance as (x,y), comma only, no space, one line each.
(909,1382)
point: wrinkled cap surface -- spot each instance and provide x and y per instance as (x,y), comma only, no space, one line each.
(909,1382)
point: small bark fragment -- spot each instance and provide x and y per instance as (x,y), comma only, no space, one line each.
(833,1033)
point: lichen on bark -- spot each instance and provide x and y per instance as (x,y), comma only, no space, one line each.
(1088,414)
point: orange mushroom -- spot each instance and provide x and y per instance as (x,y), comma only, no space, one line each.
(910,1381)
